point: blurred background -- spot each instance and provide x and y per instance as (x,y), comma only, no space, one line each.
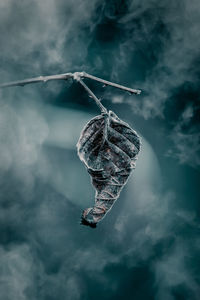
(148,246)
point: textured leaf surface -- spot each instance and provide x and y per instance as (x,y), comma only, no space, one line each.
(109,148)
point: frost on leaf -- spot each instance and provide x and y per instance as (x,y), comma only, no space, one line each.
(109,148)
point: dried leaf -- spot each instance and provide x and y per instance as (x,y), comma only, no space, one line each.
(109,148)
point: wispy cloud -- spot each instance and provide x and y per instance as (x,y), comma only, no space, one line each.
(186,139)
(45,253)
(169,36)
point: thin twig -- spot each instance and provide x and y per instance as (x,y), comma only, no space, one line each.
(105,82)
(98,102)
(67,76)
(37,79)
(78,76)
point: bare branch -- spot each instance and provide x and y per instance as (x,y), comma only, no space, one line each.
(105,82)
(37,79)
(67,76)
(78,76)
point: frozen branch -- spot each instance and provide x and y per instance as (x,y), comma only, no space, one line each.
(66,76)
(105,82)
(78,76)
(37,79)
(98,102)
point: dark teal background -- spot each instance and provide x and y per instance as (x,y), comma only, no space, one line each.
(148,246)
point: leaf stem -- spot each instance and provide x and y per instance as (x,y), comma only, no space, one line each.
(98,102)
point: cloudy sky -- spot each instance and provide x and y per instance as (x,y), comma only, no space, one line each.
(148,246)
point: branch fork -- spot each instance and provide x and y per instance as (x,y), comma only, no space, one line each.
(77,76)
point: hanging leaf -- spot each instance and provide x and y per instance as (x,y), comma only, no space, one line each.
(109,148)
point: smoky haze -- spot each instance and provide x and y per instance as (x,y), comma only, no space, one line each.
(148,245)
